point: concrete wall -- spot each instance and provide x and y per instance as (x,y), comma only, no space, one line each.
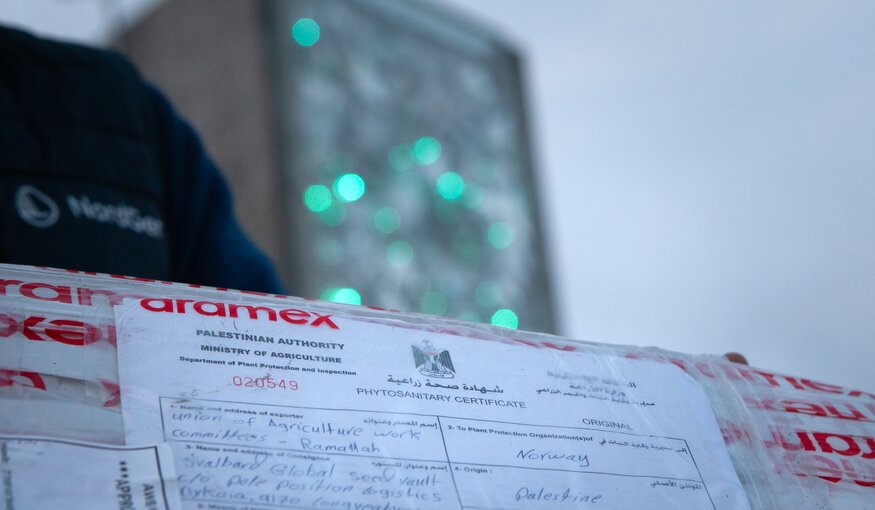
(209,57)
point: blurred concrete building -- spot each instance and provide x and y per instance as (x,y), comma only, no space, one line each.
(378,150)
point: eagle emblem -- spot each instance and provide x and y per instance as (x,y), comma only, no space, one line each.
(433,363)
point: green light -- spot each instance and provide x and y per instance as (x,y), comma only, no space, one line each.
(500,235)
(399,253)
(433,303)
(450,186)
(349,296)
(505,318)
(487,293)
(400,158)
(317,198)
(345,295)
(387,220)
(426,150)
(349,187)
(470,316)
(334,215)
(305,31)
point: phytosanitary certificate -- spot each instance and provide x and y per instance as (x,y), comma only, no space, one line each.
(271,408)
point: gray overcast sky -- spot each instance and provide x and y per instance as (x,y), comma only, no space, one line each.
(709,173)
(707,169)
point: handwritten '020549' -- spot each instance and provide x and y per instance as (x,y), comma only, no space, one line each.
(265,382)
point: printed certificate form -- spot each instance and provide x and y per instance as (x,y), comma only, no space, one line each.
(268,408)
(47,474)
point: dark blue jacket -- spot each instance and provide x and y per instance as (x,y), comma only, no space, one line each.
(98,173)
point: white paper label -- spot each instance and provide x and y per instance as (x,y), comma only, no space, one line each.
(292,409)
(41,473)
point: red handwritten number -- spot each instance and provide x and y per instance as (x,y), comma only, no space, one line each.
(264,382)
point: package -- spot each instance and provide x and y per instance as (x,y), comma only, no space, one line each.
(793,442)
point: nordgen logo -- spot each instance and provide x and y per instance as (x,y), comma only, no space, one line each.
(35,207)
(122,215)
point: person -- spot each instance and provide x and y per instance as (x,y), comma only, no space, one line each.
(98,173)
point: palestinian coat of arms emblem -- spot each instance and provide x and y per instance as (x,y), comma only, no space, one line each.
(432,362)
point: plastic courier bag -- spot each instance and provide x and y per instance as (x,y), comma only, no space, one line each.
(785,451)
(791,436)
(32,403)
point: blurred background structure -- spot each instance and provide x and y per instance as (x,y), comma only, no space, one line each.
(377,150)
(705,171)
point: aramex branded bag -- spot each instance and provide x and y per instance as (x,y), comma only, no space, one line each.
(794,443)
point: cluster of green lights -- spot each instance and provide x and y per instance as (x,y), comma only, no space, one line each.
(426,150)
(399,253)
(505,318)
(305,32)
(387,220)
(488,295)
(450,186)
(500,235)
(319,199)
(423,151)
(349,187)
(346,295)
(329,202)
